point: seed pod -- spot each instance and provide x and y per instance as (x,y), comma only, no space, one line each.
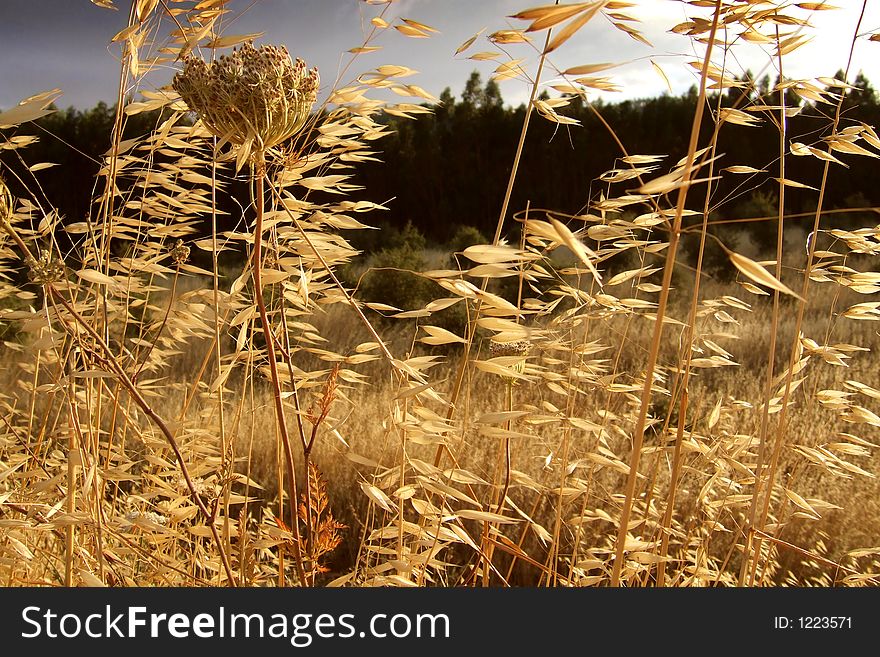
(255,95)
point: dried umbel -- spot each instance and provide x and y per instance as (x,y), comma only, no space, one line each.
(255,97)
(179,253)
(518,348)
(45,270)
(150,516)
(517,351)
(204,488)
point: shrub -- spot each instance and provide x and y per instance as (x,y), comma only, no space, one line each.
(392,273)
(464,237)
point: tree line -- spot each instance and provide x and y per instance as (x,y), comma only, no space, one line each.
(449,169)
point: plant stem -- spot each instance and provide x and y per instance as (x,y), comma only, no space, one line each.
(268,336)
(639,433)
(802,306)
(157,420)
(771,356)
(498,505)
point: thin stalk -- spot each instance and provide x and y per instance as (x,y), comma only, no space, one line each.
(349,299)
(499,226)
(774,329)
(682,384)
(71,509)
(132,389)
(498,504)
(802,306)
(259,175)
(673,487)
(671,250)
(472,321)
(215,280)
(171,295)
(116,137)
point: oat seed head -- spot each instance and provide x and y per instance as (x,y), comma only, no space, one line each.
(256,95)
(6,201)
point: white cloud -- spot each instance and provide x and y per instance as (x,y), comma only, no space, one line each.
(321,31)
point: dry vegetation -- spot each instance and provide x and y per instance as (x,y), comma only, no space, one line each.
(172,425)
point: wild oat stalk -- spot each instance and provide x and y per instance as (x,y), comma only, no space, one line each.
(256,98)
(780,441)
(671,250)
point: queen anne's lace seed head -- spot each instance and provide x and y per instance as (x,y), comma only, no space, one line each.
(152,516)
(179,253)
(202,487)
(45,270)
(255,95)
(518,348)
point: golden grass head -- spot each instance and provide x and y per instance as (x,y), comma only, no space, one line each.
(6,201)
(255,95)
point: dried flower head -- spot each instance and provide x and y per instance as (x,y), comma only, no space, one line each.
(518,348)
(179,253)
(255,96)
(45,270)
(202,487)
(516,351)
(150,516)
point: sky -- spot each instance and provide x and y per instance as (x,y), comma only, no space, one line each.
(47,44)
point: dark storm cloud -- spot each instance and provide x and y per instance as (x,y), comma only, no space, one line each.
(57,43)
(65,43)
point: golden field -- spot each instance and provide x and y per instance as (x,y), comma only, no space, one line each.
(577,403)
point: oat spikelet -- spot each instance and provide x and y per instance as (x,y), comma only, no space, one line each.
(6,201)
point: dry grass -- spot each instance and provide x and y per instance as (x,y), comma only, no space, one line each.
(166,425)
